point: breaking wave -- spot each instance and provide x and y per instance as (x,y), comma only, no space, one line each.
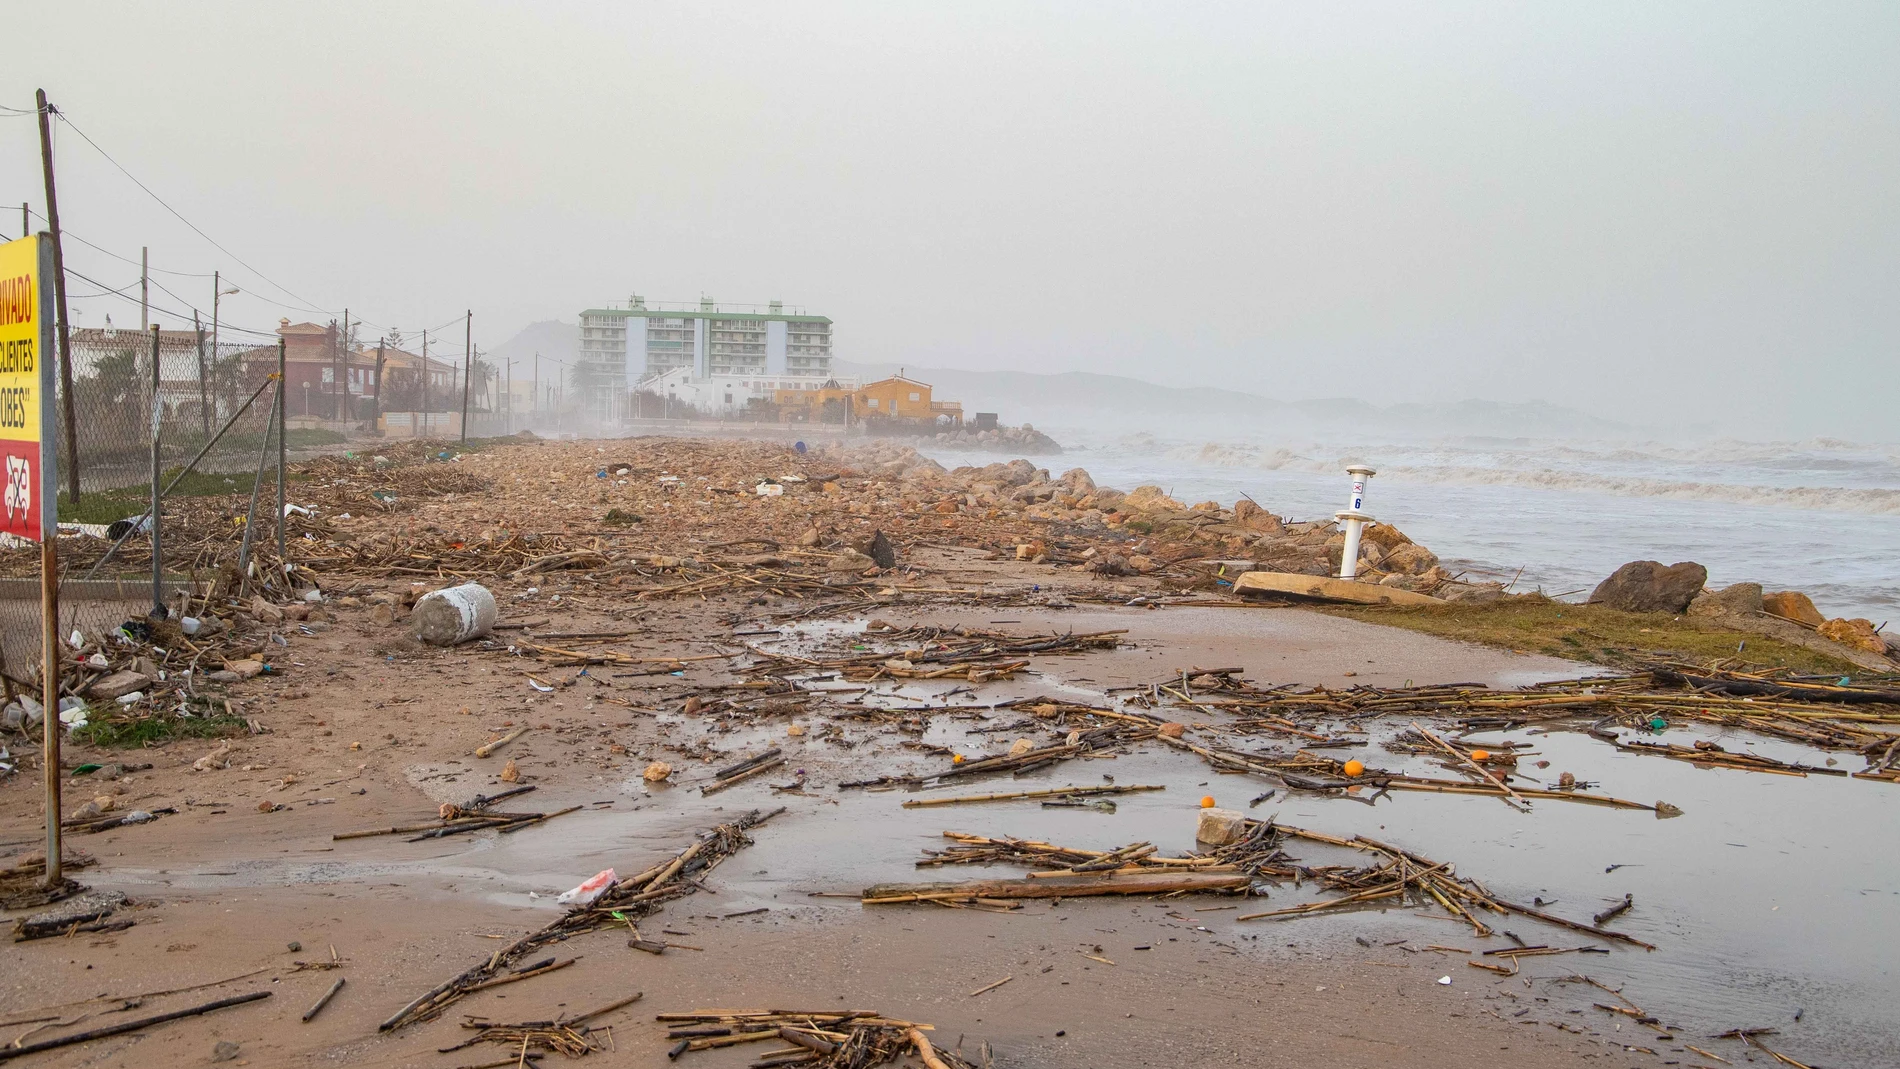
(1866,500)
(1520,470)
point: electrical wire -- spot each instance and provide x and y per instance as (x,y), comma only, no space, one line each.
(65,232)
(307,305)
(161,309)
(64,118)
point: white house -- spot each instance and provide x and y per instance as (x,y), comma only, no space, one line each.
(731,395)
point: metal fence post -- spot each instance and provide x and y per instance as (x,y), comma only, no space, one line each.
(158,560)
(283,561)
(257,486)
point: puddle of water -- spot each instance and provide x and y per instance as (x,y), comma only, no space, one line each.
(1770,894)
(1765,897)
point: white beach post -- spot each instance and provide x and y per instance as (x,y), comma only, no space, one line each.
(1355,519)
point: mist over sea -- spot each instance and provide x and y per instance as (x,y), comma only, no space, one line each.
(1821,516)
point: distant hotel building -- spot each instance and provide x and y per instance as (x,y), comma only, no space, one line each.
(623,346)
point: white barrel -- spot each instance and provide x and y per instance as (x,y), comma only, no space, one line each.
(454,615)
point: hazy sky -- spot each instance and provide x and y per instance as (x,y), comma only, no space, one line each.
(1650,211)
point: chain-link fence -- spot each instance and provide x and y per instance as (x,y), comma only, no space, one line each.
(168,412)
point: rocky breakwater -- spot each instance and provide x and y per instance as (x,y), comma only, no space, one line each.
(1144,531)
(1651,586)
(1025,439)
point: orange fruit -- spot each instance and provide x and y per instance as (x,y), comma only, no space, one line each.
(1355,768)
(1207,802)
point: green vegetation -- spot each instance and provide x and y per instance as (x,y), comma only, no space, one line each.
(1597,634)
(105,506)
(123,732)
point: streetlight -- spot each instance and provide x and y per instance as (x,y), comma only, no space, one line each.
(218,291)
(306,397)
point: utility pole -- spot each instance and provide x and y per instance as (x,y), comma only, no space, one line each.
(468,364)
(376,406)
(26,221)
(348,409)
(536,407)
(425,382)
(337,369)
(65,330)
(204,397)
(145,288)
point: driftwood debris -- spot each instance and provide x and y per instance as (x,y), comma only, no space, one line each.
(1077,886)
(744,770)
(564,1035)
(1404,872)
(471,816)
(1053,792)
(318,1006)
(824,1039)
(9,1053)
(633,897)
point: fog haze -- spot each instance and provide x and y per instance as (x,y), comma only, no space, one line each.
(1658,214)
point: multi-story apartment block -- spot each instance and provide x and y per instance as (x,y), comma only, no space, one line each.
(622,345)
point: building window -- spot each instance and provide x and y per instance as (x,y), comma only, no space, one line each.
(915,396)
(872,402)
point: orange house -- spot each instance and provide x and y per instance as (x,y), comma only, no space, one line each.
(906,399)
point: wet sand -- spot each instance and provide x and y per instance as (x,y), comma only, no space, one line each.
(229,887)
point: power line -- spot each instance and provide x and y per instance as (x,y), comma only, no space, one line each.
(181,218)
(181,317)
(66,233)
(307,305)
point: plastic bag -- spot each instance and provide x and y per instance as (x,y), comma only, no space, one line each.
(589,890)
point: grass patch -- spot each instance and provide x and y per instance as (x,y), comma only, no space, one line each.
(1596,634)
(125,732)
(105,506)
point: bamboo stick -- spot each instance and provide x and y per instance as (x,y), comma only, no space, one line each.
(919,803)
(1474,766)
(489,748)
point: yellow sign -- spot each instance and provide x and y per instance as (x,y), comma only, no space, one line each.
(23,381)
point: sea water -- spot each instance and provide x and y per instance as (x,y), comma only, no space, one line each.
(1820,516)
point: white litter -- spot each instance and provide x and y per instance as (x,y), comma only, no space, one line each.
(590,889)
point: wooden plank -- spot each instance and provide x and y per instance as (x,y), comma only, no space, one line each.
(1323,588)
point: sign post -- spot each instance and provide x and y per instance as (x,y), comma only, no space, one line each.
(29,506)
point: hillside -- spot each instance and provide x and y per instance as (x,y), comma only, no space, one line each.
(1087,399)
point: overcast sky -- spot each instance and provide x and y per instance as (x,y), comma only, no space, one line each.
(1649,211)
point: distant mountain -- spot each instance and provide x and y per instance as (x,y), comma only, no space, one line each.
(1087,399)
(553,339)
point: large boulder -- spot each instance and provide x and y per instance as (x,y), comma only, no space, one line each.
(1077,482)
(1409,558)
(1019,472)
(1385,536)
(1149,499)
(1792,605)
(1254,518)
(1741,599)
(1650,586)
(1859,634)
